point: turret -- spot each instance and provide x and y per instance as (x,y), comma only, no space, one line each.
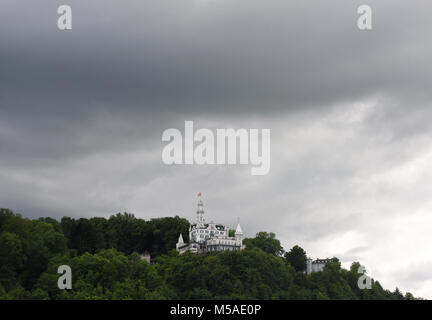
(239,234)
(200,212)
(180,241)
(308,265)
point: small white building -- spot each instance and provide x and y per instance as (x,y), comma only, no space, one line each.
(146,256)
(316,265)
(208,237)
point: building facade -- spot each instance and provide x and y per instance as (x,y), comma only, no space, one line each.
(209,236)
(316,265)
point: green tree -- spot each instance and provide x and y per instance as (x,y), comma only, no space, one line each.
(296,257)
(12,259)
(266,242)
(103,254)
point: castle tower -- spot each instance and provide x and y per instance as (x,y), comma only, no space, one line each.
(180,241)
(308,265)
(200,212)
(239,234)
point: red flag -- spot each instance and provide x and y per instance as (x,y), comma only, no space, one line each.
(199,194)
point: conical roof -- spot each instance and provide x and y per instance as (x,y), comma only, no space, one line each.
(180,239)
(238,229)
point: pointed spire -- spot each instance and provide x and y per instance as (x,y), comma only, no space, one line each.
(180,239)
(238,229)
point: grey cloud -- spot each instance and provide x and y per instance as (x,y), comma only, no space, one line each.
(218,57)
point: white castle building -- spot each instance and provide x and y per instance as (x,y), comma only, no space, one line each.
(209,236)
(316,265)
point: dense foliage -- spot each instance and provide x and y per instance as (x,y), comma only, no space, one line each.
(103,255)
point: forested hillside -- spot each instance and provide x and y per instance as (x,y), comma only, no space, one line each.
(104,257)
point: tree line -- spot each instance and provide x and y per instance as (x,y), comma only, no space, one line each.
(104,255)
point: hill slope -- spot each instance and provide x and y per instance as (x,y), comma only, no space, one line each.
(102,254)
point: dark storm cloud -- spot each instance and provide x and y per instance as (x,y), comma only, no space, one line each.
(208,56)
(129,60)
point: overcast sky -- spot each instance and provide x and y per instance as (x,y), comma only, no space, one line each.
(82,113)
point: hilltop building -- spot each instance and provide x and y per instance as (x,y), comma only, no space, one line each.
(316,265)
(145,256)
(209,236)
